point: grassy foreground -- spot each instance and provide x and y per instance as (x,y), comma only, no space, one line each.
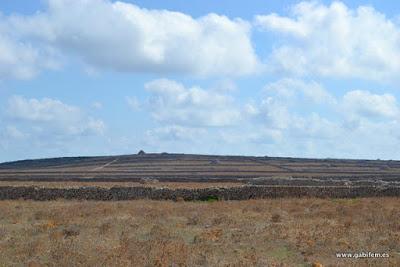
(276,232)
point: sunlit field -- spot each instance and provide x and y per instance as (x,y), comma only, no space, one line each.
(275,232)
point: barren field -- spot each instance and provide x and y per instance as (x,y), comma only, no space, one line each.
(278,232)
(200,168)
(196,177)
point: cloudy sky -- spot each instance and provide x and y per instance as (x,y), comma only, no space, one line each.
(277,78)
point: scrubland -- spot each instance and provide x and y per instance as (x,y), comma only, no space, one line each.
(272,232)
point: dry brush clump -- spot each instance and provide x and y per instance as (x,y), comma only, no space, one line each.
(274,232)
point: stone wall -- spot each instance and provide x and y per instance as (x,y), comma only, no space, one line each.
(233,193)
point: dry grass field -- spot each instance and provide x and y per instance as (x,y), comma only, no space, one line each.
(274,232)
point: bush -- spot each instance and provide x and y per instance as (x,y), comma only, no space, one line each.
(210,199)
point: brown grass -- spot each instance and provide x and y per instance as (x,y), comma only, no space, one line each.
(279,232)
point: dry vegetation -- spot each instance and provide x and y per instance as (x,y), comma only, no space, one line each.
(277,232)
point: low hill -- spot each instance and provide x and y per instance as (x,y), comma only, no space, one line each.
(201,168)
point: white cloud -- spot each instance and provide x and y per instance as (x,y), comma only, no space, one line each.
(292,89)
(283,99)
(335,41)
(14,133)
(358,125)
(16,60)
(52,117)
(43,110)
(174,133)
(171,102)
(314,127)
(124,37)
(286,120)
(34,128)
(277,23)
(365,104)
(277,115)
(22,60)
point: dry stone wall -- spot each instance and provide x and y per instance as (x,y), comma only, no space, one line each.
(233,193)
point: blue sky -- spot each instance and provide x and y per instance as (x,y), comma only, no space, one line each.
(279,78)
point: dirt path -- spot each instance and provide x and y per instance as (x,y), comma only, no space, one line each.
(100,168)
(105,165)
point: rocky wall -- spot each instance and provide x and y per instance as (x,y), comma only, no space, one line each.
(233,193)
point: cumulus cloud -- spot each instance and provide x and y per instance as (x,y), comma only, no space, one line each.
(360,124)
(51,117)
(22,60)
(124,37)
(335,41)
(172,102)
(290,120)
(291,117)
(285,103)
(273,114)
(285,119)
(294,89)
(365,104)
(46,127)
